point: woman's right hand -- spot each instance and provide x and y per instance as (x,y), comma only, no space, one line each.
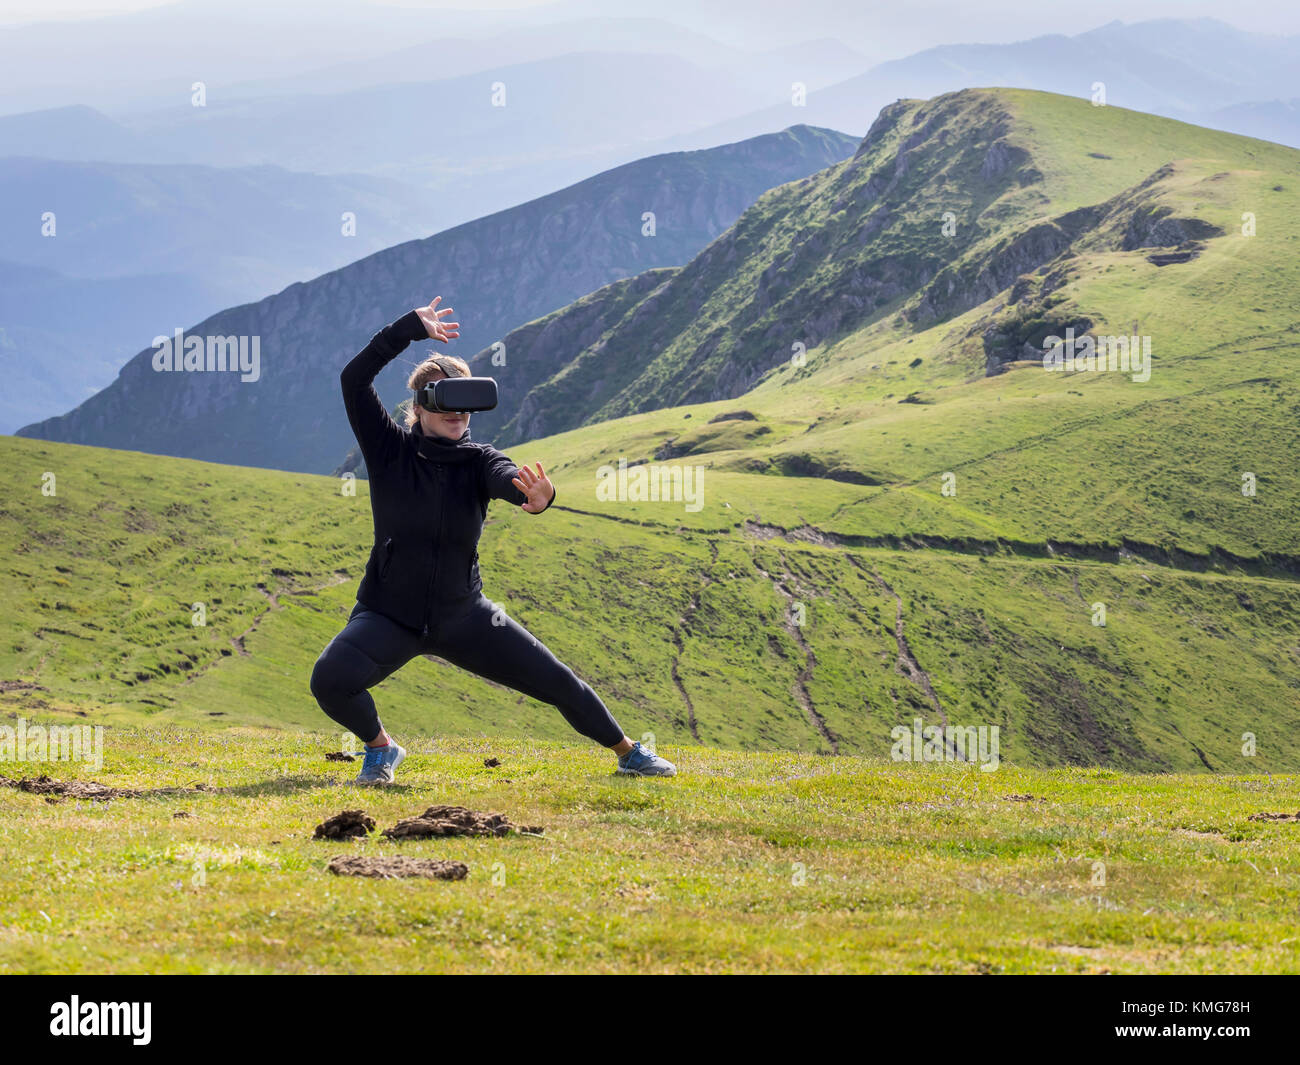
(433,323)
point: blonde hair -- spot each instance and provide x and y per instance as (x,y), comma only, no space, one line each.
(430,370)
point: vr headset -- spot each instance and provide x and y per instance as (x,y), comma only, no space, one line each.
(461,395)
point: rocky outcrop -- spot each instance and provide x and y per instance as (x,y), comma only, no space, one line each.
(1155,226)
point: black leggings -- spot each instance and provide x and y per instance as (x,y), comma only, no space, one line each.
(372,646)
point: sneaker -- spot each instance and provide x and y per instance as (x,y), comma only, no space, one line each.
(641,763)
(379,764)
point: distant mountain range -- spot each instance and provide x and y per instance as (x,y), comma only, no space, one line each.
(187,210)
(1274,120)
(497,272)
(197,204)
(556,121)
(133,241)
(1195,70)
(149,59)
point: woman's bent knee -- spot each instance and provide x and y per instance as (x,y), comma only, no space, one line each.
(322,678)
(338,672)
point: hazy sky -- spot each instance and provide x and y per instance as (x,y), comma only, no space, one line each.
(879,29)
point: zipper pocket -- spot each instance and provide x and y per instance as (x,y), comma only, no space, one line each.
(387,558)
(469,574)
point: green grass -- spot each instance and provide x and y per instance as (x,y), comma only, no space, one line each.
(102,598)
(745,862)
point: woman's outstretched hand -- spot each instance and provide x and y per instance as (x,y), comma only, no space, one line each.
(536,486)
(433,323)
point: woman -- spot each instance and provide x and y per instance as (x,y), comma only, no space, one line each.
(421,592)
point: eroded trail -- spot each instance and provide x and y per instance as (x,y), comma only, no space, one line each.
(804,675)
(683,623)
(907,662)
(273,603)
(1218,564)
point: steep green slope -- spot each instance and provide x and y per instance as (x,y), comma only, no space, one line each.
(690,632)
(1022,179)
(921,387)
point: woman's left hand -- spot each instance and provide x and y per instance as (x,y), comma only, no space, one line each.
(536,486)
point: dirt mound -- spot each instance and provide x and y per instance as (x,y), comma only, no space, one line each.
(91,789)
(348,824)
(340,756)
(1274,817)
(75,789)
(449,821)
(491,763)
(388,868)
(454,821)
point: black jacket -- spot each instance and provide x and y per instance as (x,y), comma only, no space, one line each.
(429,496)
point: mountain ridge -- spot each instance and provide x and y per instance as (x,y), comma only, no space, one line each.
(527,260)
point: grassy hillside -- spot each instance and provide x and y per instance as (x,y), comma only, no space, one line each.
(1060,208)
(689,632)
(744,863)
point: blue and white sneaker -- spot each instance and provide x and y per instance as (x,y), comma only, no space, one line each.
(641,763)
(380,763)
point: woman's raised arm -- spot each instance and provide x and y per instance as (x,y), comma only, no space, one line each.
(377,434)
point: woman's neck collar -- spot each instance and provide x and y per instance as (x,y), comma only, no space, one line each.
(418,430)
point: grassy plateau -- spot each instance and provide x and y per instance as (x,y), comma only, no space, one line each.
(744,862)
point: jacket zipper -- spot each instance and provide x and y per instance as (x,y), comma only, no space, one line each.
(437,538)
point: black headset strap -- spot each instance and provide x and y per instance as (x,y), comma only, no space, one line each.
(449,370)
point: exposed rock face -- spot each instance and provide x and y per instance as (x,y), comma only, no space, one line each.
(1154,226)
(1128,222)
(1019,339)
